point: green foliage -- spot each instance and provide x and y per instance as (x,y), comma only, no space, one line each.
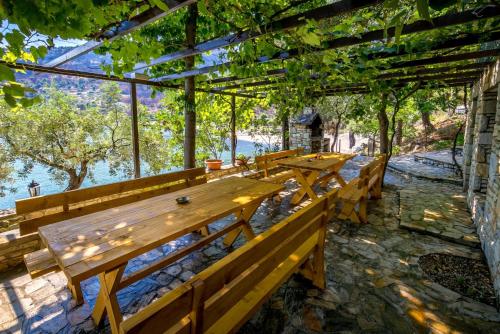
(265,130)
(70,141)
(213,115)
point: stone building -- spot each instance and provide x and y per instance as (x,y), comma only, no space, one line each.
(306,130)
(482,166)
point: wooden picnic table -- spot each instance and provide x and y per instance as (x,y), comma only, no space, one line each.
(102,243)
(308,170)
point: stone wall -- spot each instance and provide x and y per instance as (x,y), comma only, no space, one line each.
(482,166)
(13,247)
(300,136)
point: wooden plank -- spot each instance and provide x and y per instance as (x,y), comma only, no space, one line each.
(135,130)
(31,225)
(171,258)
(119,30)
(253,249)
(169,310)
(74,196)
(247,306)
(40,263)
(237,288)
(134,236)
(329,161)
(327,11)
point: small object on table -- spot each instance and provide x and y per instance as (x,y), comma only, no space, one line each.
(182,200)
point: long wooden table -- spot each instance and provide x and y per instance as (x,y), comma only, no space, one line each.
(308,169)
(102,243)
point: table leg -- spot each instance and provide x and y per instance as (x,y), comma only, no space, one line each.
(76,291)
(306,183)
(339,179)
(245,215)
(107,301)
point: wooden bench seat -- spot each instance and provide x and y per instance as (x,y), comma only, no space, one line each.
(224,296)
(354,195)
(40,263)
(48,209)
(268,164)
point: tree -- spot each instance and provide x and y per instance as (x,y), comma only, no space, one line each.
(70,141)
(333,110)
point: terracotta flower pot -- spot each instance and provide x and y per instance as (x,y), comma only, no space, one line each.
(213,164)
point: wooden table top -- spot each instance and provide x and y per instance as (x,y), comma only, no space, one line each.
(328,161)
(88,245)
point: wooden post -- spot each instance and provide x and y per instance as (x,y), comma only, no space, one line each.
(233,129)
(189,91)
(285,131)
(135,131)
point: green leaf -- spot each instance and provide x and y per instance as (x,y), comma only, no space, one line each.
(423,9)
(6,73)
(10,100)
(160,4)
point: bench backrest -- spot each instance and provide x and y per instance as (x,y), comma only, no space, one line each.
(268,161)
(373,172)
(196,305)
(48,209)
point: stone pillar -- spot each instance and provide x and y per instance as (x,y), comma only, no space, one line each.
(300,136)
(468,141)
(481,147)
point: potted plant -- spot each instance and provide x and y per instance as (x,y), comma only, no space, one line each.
(213,164)
(241,160)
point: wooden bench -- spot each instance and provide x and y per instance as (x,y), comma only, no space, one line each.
(40,263)
(49,209)
(224,296)
(354,195)
(268,162)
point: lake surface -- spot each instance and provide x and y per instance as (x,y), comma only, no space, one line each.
(101,175)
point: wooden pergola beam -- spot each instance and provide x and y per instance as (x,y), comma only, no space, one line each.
(416,27)
(320,13)
(97,76)
(405,64)
(446,59)
(386,76)
(121,29)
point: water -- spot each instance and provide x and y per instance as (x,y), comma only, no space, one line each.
(101,176)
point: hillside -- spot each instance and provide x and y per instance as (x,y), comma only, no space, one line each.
(83,86)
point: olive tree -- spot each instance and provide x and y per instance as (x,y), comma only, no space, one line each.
(70,141)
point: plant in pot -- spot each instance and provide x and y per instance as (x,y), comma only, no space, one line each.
(241,160)
(213,135)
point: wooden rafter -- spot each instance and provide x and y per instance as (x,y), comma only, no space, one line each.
(416,27)
(442,70)
(121,29)
(331,10)
(89,75)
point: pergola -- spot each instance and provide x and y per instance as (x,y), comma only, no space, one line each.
(462,65)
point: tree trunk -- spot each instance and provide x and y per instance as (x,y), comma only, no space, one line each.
(426,121)
(233,129)
(189,90)
(352,139)
(76,179)
(285,133)
(399,132)
(383,123)
(335,135)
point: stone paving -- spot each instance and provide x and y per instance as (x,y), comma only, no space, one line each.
(374,283)
(440,210)
(406,164)
(442,155)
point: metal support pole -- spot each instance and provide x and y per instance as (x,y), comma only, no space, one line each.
(135,131)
